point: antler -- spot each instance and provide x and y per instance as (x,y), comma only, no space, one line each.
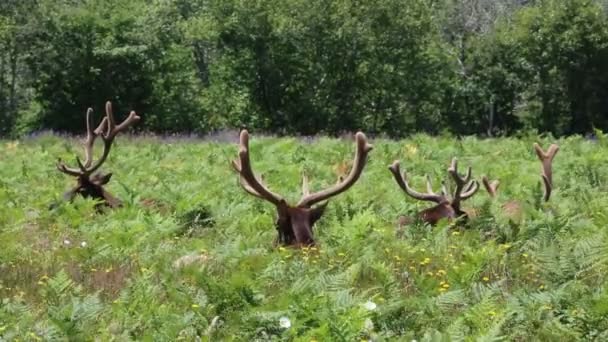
(403,184)
(465,187)
(546,158)
(491,186)
(363,148)
(247,178)
(111,130)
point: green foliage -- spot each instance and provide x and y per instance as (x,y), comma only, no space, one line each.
(385,66)
(201,262)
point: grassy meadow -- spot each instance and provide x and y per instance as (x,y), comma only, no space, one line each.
(190,255)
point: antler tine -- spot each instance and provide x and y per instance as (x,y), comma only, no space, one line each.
(88,150)
(401,180)
(462,183)
(109,125)
(363,148)
(248,180)
(89,142)
(470,190)
(491,186)
(546,158)
(112,128)
(67,170)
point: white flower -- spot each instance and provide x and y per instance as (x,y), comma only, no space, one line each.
(67,242)
(369,305)
(284,323)
(368,324)
(83,244)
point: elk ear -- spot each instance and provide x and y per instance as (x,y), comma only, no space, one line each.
(317,212)
(100,179)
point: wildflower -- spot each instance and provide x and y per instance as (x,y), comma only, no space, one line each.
(441,289)
(486,279)
(67,242)
(446,286)
(396,257)
(441,272)
(455,233)
(368,324)
(282,249)
(430,274)
(195,306)
(369,305)
(412,268)
(83,244)
(284,323)
(541,287)
(525,255)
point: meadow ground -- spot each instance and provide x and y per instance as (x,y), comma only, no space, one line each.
(191,254)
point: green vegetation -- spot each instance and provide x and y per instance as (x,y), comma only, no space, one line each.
(191,254)
(308,66)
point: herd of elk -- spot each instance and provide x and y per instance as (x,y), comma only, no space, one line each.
(295,222)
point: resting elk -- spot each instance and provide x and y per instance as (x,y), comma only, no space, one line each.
(88,184)
(513,208)
(447,207)
(295,222)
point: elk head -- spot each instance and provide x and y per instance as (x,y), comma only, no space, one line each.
(294,222)
(446,206)
(513,208)
(89,184)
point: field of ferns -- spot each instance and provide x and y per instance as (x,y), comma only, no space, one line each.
(191,256)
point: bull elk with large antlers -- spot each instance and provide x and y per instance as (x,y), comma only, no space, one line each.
(294,222)
(447,207)
(88,184)
(513,208)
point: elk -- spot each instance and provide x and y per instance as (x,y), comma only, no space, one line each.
(447,207)
(513,208)
(90,185)
(294,223)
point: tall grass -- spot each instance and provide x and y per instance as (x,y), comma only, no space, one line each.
(200,263)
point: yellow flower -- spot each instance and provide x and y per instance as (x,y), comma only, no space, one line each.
(282,249)
(412,268)
(195,306)
(541,287)
(441,289)
(441,272)
(396,257)
(446,286)
(411,150)
(430,274)
(455,233)
(525,255)
(486,279)
(442,282)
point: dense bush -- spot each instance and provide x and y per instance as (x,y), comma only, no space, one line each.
(386,66)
